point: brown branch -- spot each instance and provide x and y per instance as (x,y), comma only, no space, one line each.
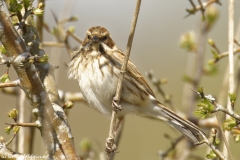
(11,139)
(70,96)
(53,44)
(225,110)
(213,147)
(116,99)
(10,84)
(55,130)
(224,54)
(24,124)
(165,153)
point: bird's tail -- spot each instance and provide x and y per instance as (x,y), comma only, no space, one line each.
(190,130)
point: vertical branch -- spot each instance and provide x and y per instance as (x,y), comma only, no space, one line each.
(119,85)
(226,150)
(22,136)
(39,23)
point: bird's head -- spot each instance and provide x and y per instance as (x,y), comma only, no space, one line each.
(97,37)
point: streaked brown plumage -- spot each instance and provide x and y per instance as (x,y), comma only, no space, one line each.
(96,66)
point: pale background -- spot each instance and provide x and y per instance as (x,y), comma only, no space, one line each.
(155,46)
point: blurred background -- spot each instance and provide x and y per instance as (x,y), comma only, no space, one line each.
(155,47)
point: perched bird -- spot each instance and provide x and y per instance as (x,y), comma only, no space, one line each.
(97,65)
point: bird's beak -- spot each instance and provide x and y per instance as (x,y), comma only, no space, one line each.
(95,39)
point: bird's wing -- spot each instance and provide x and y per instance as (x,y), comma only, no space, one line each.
(133,72)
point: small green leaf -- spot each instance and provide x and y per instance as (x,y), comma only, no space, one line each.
(71,29)
(232,97)
(86,145)
(217,141)
(16,129)
(236,138)
(38,12)
(211,155)
(26,3)
(73,18)
(211,70)
(5,78)
(14,6)
(43,59)
(188,41)
(211,42)
(13,113)
(8,129)
(228,124)
(205,108)
(55,31)
(215,54)
(68,104)
(3,50)
(187,78)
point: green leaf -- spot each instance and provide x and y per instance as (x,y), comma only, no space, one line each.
(26,3)
(13,113)
(73,18)
(16,129)
(205,108)
(43,59)
(236,138)
(211,155)
(71,29)
(217,141)
(228,124)
(14,6)
(3,50)
(211,70)
(4,78)
(8,129)
(232,97)
(85,145)
(38,12)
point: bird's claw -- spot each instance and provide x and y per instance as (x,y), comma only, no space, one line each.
(110,147)
(116,106)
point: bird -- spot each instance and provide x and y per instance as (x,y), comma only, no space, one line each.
(96,65)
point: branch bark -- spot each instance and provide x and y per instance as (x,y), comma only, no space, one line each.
(55,131)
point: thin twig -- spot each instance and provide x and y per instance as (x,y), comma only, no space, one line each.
(226,150)
(53,44)
(213,147)
(225,110)
(24,124)
(74,36)
(10,84)
(225,54)
(10,140)
(203,5)
(165,154)
(121,76)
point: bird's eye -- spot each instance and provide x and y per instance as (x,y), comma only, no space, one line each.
(104,38)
